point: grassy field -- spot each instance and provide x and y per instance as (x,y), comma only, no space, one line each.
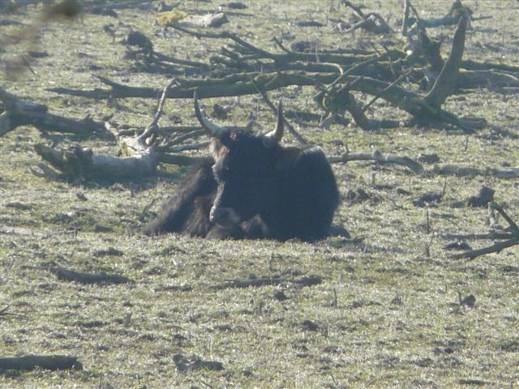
(387,311)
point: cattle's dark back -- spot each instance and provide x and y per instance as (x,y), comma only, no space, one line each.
(253,187)
(279,193)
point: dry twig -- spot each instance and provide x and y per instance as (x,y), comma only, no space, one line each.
(509,238)
(378,157)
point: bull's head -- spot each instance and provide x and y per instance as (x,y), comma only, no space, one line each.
(245,170)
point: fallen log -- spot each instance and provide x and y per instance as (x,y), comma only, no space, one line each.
(467,171)
(77,162)
(247,84)
(266,281)
(378,157)
(82,163)
(446,81)
(48,362)
(18,112)
(473,65)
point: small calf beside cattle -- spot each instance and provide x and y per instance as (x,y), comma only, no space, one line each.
(252,188)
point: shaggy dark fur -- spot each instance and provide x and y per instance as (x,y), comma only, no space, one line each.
(253,188)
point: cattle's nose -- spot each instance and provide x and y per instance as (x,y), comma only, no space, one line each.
(223,216)
(219,215)
(215,214)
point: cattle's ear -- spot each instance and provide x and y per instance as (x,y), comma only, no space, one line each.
(211,128)
(276,135)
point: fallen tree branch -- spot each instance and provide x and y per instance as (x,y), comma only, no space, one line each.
(288,55)
(495,248)
(405,19)
(510,238)
(144,153)
(371,22)
(134,4)
(446,81)
(488,236)
(473,65)
(48,362)
(266,281)
(152,129)
(3,311)
(246,84)
(512,225)
(453,16)
(18,112)
(182,160)
(273,108)
(378,157)
(80,162)
(466,171)
(88,278)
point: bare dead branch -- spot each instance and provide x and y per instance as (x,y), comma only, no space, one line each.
(186,136)
(78,162)
(495,248)
(187,147)
(446,81)
(48,362)
(357,112)
(487,236)
(513,226)
(153,126)
(378,96)
(355,9)
(4,310)
(245,84)
(273,108)
(249,51)
(273,280)
(225,35)
(457,10)
(18,112)
(510,237)
(466,171)
(372,21)
(89,278)
(405,18)
(182,160)
(378,157)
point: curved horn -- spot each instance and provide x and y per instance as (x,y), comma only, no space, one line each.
(211,128)
(277,133)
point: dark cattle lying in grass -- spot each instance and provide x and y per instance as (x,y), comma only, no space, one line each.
(252,188)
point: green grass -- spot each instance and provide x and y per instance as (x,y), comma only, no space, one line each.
(386,313)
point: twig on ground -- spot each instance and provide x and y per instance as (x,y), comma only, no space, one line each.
(510,237)
(3,311)
(152,129)
(378,157)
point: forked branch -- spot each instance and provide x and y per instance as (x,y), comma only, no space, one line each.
(509,238)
